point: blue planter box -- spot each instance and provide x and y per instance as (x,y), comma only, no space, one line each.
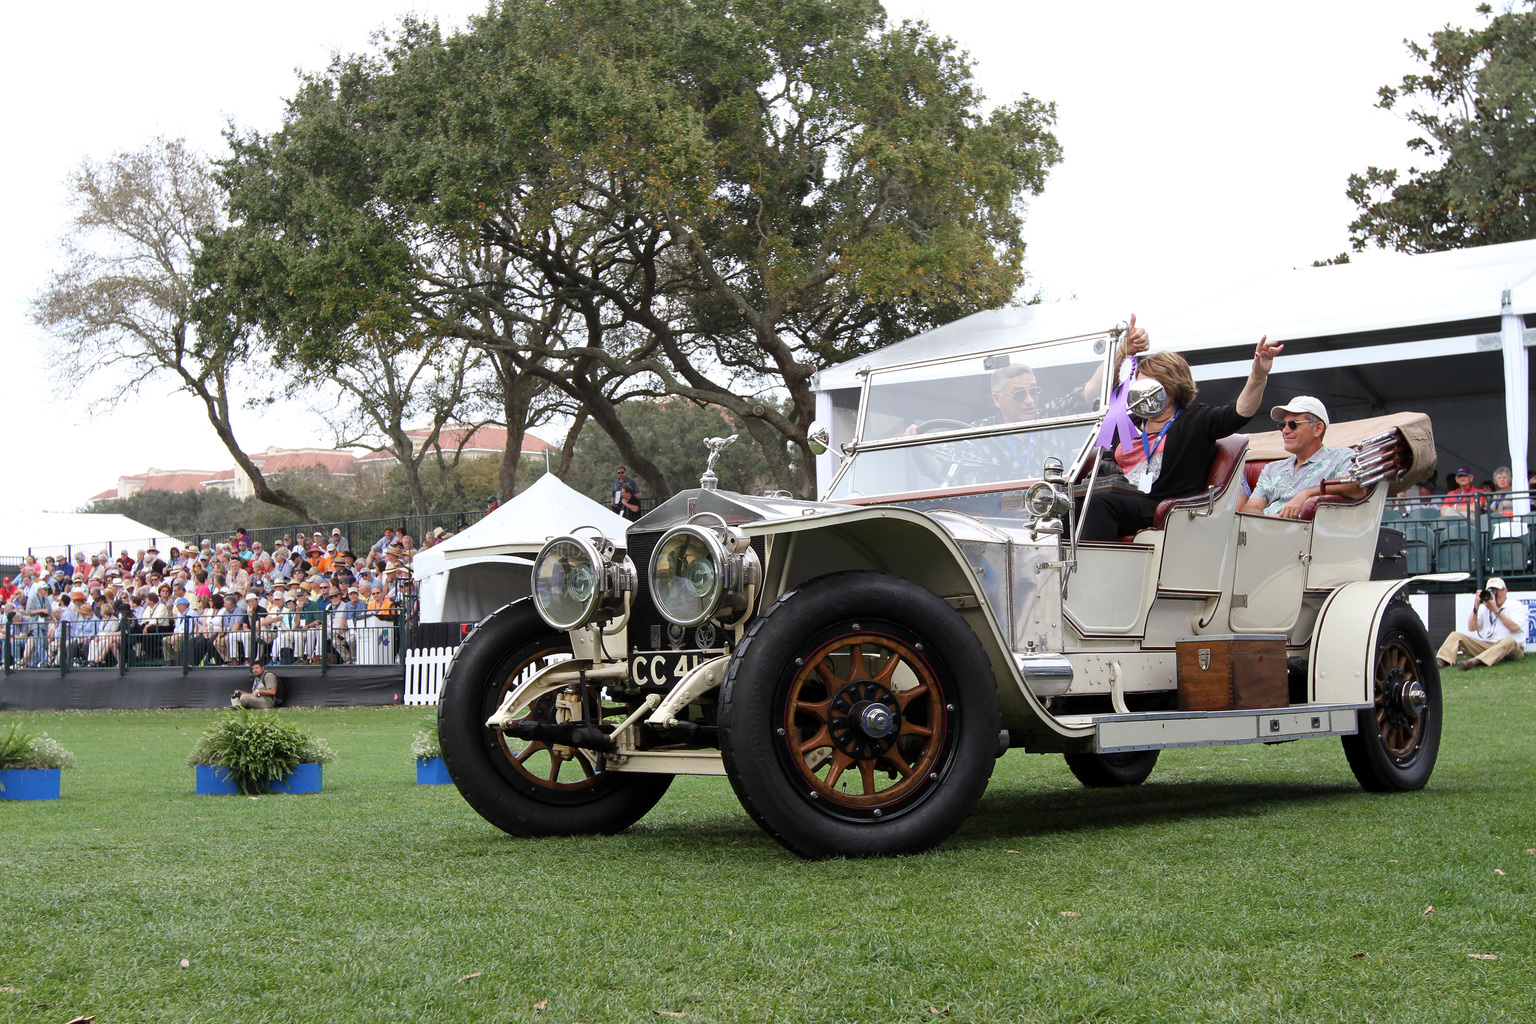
(430,771)
(29,783)
(213,780)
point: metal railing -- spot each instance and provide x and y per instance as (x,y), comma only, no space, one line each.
(327,639)
(1480,534)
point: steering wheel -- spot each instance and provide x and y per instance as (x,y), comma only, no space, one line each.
(965,460)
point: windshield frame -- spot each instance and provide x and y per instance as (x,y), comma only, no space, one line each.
(872,375)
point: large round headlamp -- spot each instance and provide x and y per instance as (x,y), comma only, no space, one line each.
(577,581)
(698,573)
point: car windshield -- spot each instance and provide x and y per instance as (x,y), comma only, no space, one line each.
(975,420)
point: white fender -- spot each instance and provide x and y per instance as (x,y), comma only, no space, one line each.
(1340,665)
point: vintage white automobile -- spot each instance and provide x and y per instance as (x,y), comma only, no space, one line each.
(856,666)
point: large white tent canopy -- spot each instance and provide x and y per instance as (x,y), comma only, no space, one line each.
(478,570)
(1446,333)
(64,533)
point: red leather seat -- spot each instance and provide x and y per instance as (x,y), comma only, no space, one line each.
(1229,452)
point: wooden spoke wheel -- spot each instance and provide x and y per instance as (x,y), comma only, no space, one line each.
(1398,737)
(859,717)
(532,787)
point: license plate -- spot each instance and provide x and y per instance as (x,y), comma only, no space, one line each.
(665,668)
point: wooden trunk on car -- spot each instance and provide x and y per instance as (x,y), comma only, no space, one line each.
(1232,672)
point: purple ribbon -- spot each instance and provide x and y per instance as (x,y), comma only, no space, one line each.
(1117,415)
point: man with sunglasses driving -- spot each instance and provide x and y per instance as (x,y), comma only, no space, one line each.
(1285,484)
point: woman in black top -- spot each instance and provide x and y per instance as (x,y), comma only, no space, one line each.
(1171,456)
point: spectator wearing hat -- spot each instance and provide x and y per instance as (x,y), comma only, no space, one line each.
(1463,498)
(1497,630)
(339,539)
(73,617)
(1285,484)
(356,608)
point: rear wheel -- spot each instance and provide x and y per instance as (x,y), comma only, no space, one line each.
(1098,771)
(1398,737)
(859,717)
(532,787)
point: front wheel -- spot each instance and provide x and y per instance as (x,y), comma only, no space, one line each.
(532,787)
(1398,737)
(1098,771)
(859,717)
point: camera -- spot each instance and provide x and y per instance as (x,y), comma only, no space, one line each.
(1484,596)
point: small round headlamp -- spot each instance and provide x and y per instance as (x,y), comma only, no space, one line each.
(577,581)
(698,573)
(1042,500)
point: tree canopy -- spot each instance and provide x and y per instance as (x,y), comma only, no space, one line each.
(621,199)
(1477,112)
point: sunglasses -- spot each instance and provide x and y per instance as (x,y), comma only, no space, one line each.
(1018,393)
(1296,424)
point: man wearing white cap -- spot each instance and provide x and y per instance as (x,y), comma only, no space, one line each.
(1285,484)
(1498,628)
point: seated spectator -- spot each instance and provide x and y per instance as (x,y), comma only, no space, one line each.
(1462,499)
(1500,501)
(382,543)
(106,648)
(339,540)
(1496,627)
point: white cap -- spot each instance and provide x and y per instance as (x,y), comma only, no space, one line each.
(1300,404)
(1497,583)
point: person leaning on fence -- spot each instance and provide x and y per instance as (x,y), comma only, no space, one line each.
(1497,625)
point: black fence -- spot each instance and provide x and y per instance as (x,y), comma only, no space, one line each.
(327,640)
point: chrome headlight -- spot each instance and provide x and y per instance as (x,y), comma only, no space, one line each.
(577,581)
(699,572)
(1043,500)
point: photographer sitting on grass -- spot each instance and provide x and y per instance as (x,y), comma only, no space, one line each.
(1499,629)
(266,690)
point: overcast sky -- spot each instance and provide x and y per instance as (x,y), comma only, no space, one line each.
(1206,143)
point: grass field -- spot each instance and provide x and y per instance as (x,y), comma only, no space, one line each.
(1239,884)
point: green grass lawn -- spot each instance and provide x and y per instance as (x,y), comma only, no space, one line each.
(1238,884)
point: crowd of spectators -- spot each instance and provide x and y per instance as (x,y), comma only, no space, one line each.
(308,600)
(1464,498)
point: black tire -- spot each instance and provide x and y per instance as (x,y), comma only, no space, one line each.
(793,681)
(1399,738)
(1102,771)
(529,788)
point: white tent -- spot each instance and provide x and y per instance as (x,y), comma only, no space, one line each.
(1444,333)
(474,572)
(64,533)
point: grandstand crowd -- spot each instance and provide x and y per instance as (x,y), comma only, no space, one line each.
(310,599)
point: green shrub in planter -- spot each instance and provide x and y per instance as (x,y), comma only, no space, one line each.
(425,745)
(428,752)
(29,765)
(256,749)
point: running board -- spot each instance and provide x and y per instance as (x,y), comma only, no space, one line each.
(1162,730)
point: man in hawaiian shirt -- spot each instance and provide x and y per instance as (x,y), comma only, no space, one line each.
(1285,484)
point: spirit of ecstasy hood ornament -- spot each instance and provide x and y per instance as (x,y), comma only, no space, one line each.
(716,445)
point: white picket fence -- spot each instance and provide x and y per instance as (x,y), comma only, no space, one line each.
(425,670)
